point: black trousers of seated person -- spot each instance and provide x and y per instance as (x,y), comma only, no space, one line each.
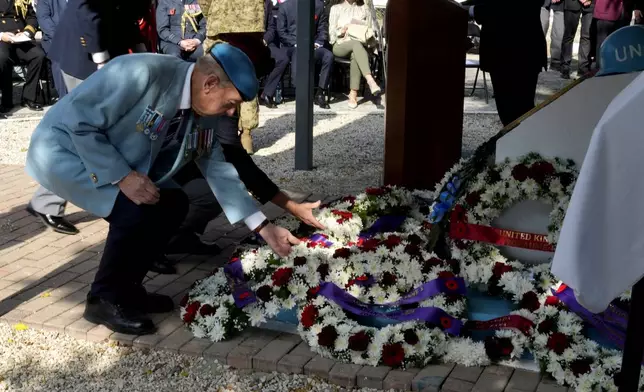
(28,53)
(322,57)
(281,62)
(135,233)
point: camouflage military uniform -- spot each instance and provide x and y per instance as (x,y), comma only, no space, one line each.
(225,19)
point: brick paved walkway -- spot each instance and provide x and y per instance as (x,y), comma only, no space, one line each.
(45,276)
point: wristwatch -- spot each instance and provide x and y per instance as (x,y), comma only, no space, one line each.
(261,226)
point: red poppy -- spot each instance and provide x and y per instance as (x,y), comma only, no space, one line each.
(558,342)
(473,198)
(327,337)
(451,285)
(207,310)
(552,301)
(234,260)
(520,172)
(393,354)
(342,253)
(191,312)
(282,276)
(244,295)
(580,366)
(184,301)
(299,261)
(530,301)
(500,268)
(392,241)
(362,278)
(375,191)
(446,322)
(359,341)
(369,245)
(309,315)
(314,291)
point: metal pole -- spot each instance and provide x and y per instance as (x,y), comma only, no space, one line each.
(304,85)
(634,344)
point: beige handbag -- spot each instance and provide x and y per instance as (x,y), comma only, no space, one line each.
(360,33)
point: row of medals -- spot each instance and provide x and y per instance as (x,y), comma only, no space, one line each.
(199,140)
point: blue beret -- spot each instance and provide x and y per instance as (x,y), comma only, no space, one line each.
(238,67)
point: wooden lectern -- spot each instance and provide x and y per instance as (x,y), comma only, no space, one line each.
(426,41)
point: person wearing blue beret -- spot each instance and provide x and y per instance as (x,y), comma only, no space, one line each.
(114,154)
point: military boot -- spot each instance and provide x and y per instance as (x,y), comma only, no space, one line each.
(247,141)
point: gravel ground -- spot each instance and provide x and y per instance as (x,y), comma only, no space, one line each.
(347,150)
(34,361)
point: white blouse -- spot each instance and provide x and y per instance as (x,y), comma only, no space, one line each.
(342,15)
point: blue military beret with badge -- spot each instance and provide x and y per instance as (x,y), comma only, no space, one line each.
(238,67)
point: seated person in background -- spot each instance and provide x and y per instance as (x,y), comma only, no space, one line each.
(278,54)
(287,32)
(49,13)
(18,21)
(182,28)
(340,18)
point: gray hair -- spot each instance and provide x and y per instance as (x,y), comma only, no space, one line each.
(207,65)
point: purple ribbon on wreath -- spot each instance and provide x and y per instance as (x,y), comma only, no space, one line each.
(611,323)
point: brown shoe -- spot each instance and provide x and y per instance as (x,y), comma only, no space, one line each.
(247,142)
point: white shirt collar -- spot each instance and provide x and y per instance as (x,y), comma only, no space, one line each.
(186,101)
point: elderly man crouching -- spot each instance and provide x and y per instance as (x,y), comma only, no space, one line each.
(112,147)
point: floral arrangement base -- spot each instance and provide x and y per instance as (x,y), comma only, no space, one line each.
(377,258)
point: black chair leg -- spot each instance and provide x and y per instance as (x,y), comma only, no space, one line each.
(476,79)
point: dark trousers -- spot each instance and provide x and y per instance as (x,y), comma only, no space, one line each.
(27,53)
(175,50)
(59,82)
(514,93)
(203,206)
(323,58)
(571,23)
(134,234)
(599,31)
(273,79)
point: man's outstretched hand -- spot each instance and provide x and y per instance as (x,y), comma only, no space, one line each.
(304,212)
(139,188)
(279,239)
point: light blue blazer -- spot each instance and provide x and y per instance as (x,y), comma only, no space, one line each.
(88,140)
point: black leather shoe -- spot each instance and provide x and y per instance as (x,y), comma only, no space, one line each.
(57,223)
(321,101)
(118,318)
(36,107)
(163,266)
(565,74)
(269,102)
(157,303)
(191,244)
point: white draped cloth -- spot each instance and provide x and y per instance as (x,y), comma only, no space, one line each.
(600,253)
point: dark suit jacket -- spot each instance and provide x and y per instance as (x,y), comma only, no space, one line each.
(93,26)
(49,13)
(558,6)
(11,21)
(270,24)
(509,42)
(287,23)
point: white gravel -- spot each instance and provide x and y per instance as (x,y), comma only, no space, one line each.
(347,149)
(34,361)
